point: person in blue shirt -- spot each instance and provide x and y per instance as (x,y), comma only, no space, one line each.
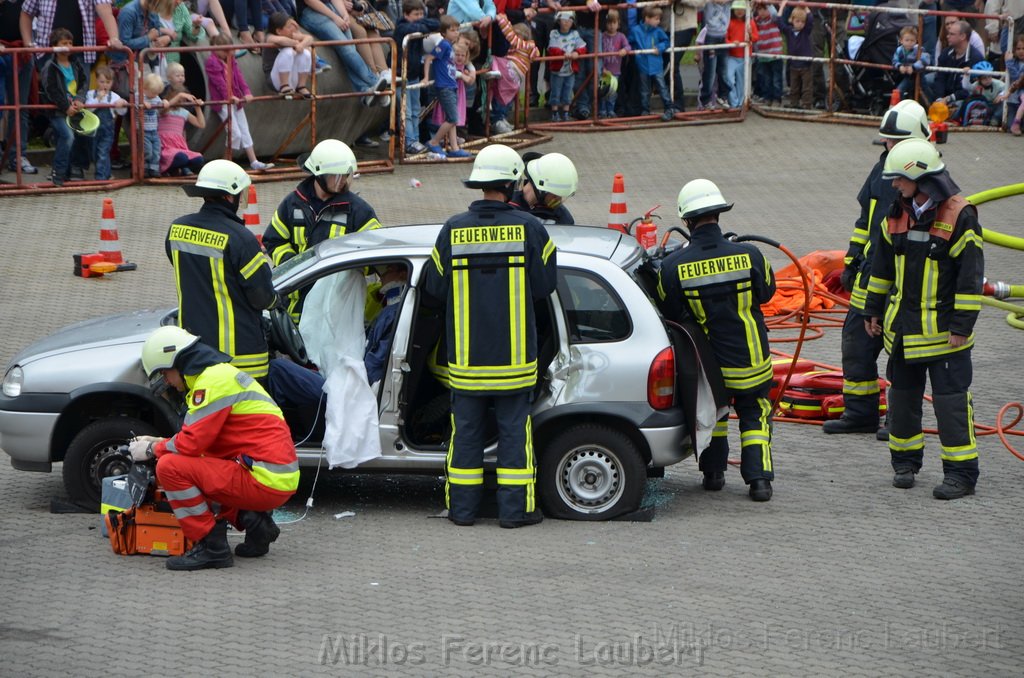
(650,66)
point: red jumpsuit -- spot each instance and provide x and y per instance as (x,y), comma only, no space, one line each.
(233,452)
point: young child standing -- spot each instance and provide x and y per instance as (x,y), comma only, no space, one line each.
(741,29)
(909,59)
(217,81)
(446,89)
(103,95)
(768,70)
(463,76)
(564,41)
(63,82)
(649,35)
(292,60)
(798,43)
(612,41)
(176,158)
(1015,76)
(152,104)
(413,20)
(513,68)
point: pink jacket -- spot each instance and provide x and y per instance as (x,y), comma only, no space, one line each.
(216,78)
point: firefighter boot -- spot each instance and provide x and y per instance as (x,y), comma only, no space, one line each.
(713,481)
(530,519)
(844,425)
(260,532)
(903,479)
(760,489)
(210,551)
(952,488)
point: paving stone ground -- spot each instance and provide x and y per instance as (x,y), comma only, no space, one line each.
(840,574)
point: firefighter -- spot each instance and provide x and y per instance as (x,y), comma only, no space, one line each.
(905,120)
(223,277)
(930,258)
(233,459)
(322,206)
(490,264)
(720,284)
(550,180)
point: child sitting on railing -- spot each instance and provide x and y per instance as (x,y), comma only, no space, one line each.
(291,63)
(513,68)
(176,158)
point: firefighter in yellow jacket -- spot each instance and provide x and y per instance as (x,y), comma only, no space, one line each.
(721,285)
(931,259)
(223,277)
(490,264)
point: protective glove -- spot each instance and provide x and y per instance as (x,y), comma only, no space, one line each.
(140,450)
(149,439)
(848,277)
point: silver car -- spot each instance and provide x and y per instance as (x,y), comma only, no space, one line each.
(607,411)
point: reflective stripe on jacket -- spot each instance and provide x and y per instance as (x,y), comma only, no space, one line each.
(876,197)
(934,268)
(224,283)
(721,285)
(490,265)
(230,416)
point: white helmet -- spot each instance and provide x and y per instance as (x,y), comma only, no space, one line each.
(905,120)
(912,159)
(496,163)
(554,173)
(701,196)
(163,347)
(330,156)
(218,177)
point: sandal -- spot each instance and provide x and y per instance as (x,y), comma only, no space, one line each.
(286,91)
(303,92)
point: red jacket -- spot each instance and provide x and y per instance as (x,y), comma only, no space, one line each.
(737,33)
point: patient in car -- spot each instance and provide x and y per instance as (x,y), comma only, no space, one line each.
(393,279)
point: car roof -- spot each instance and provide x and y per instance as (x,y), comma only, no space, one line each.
(593,241)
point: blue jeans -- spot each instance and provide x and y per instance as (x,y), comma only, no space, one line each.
(102,142)
(561,89)
(769,79)
(324,29)
(712,70)
(607,106)
(645,92)
(151,149)
(734,78)
(583,102)
(72,149)
(245,13)
(412,113)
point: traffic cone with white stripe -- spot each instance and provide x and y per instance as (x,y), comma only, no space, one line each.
(252,215)
(617,211)
(110,245)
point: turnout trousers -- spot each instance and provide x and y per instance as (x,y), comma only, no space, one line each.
(950,376)
(464,468)
(203,490)
(860,371)
(754,411)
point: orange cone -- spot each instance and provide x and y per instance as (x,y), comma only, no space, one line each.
(895,97)
(252,215)
(110,245)
(617,211)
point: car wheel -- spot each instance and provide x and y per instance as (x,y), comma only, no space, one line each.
(93,455)
(591,472)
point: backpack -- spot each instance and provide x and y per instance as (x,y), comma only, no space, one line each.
(975,111)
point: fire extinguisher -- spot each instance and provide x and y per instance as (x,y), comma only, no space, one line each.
(646,232)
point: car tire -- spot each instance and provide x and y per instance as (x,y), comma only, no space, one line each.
(591,472)
(93,455)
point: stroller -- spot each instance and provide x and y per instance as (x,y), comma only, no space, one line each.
(870,88)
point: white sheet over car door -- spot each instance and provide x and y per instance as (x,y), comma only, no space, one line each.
(332,327)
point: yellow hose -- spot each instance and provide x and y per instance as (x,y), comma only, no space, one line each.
(995,237)
(1015,317)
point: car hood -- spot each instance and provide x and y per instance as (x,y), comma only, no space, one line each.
(112,330)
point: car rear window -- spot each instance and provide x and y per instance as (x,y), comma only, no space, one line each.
(593,311)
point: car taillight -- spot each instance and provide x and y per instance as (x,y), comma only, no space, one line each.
(661,380)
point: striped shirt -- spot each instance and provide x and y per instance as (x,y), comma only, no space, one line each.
(770,37)
(44,12)
(521,52)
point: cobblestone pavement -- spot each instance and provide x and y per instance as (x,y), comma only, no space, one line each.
(840,574)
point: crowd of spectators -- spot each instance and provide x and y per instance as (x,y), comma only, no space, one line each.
(464,76)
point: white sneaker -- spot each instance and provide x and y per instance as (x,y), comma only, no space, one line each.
(258,166)
(383,100)
(502,127)
(385,136)
(414,148)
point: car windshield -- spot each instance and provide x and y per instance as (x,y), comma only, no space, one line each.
(294,264)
